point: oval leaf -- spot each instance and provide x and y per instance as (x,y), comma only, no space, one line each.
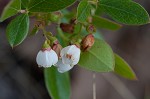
(11,9)
(125,11)
(58,85)
(123,69)
(105,23)
(17,29)
(48,5)
(83,11)
(99,58)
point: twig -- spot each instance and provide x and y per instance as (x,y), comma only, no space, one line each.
(94,85)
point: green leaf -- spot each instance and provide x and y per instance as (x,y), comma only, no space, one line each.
(100,22)
(125,11)
(25,3)
(123,69)
(77,28)
(99,58)
(58,85)
(11,9)
(17,29)
(48,5)
(83,11)
(99,11)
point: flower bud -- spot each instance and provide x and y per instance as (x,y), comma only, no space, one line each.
(40,16)
(90,28)
(89,19)
(55,16)
(57,48)
(87,42)
(23,11)
(39,24)
(93,10)
(69,28)
(53,40)
(70,55)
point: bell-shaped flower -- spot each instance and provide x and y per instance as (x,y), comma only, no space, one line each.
(70,55)
(61,67)
(46,57)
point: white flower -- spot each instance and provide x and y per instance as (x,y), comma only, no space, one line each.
(70,55)
(46,58)
(63,67)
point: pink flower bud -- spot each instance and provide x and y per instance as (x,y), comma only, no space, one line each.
(91,28)
(57,48)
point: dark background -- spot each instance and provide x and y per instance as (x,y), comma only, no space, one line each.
(20,77)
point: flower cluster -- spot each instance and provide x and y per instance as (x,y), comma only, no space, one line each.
(63,58)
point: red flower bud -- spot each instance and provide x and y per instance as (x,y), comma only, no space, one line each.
(69,28)
(87,42)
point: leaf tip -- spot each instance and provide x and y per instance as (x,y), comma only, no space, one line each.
(149,20)
(135,78)
(120,26)
(12,47)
